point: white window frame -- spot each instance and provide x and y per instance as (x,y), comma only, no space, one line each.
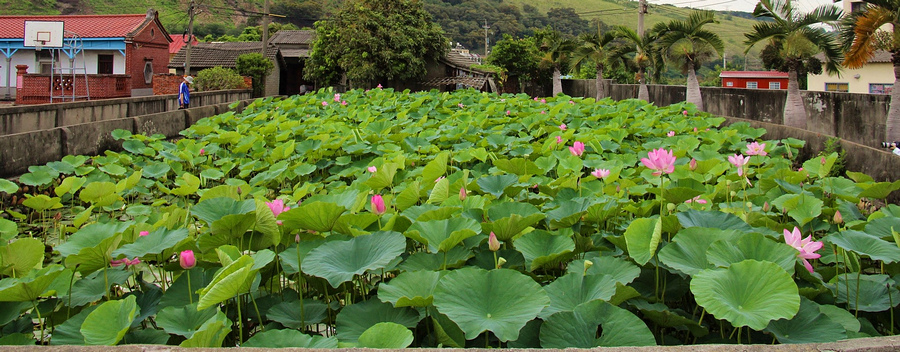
(753,85)
(774,85)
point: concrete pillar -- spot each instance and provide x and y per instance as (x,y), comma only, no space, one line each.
(21,70)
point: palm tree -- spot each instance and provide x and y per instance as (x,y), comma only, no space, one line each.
(556,51)
(593,49)
(689,45)
(859,34)
(643,48)
(799,39)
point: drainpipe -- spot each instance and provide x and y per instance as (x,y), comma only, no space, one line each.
(8,68)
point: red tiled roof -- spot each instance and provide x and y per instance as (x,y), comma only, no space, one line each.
(753,74)
(178,42)
(86,26)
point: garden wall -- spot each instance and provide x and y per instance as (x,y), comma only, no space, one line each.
(859,118)
(79,128)
(21,119)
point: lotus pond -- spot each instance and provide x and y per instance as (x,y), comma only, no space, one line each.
(393,219)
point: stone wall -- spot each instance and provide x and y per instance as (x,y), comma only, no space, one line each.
(23,119)
(858,118)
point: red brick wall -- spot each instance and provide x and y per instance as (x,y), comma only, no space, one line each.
(35,87)
(169,83)
(149,44)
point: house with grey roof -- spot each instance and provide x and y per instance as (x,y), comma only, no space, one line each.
(225,54)
(459,69)
(294,46)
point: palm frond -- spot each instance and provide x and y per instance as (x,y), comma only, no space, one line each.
(762,31)
(861,34)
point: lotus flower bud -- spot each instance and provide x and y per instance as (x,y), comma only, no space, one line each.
(766,206)
(493,243)
(378,204)
(462,193)
(693,164)
(144,233)
(838,219)
(372,169)
(186,259)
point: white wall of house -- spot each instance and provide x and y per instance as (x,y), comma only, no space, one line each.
(873,76)
(29,57)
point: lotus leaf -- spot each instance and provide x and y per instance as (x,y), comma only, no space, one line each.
(339,261)
(289,338)
(579,328)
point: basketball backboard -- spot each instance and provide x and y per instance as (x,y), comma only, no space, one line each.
(44,34)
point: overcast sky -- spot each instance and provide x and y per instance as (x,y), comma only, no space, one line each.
(738,5)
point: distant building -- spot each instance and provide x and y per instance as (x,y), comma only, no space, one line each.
(459,69)
(294,46)
(225,54)
(134,45)
(876,77)
(754,79)
(178,43)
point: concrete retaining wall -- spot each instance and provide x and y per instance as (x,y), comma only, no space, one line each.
(22,119)
(18,151)
(859,118)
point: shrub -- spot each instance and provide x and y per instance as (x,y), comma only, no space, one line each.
(218,78)
(257,67)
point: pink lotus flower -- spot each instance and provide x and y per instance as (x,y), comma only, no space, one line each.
(343,103)
(186,259)
(600,173)
(460,105)
(577,149)
(462,193)
(144,233)
(684,112)
(559,140)
(807,247)
(823,160)
(324,103)
(337,97)
(378,204)
(535,98)
(661,160)
(277,207)
(838,218)
(372,169)
(739,161)
(543,100)
(439,179)
(572,102)
(202,152)
(379,86)
(756,148)
(543,112)
(563,127)
(507,112)
(766,207)
(493,243)
(697,200)
(693,164)
(671,134)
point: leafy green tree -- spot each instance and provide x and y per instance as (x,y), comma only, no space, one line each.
(799,37)
(217,78)
(688,45)
(374,40)
(518,57)
(257,67)
(593,49)
(567,21)
(861,36)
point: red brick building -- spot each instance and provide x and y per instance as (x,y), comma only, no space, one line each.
(131,47)
(754,79)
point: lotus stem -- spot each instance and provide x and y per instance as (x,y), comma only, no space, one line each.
(190,292)
(240,321)
(891,300)
(256,308)
(858,274)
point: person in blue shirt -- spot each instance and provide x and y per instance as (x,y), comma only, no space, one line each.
(184,93)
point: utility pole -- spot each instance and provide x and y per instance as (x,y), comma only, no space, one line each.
(265,28)
(486,27)
(190,39)
(642,9)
